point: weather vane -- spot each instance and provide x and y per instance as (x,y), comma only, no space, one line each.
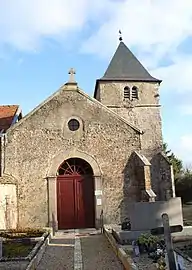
(120,35)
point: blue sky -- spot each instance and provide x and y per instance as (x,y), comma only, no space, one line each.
(41,39)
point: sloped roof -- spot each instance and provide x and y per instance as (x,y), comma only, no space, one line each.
(72,87)
(7,114)
(125,66)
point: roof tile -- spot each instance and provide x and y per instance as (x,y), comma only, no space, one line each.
(125,66)
(7,113)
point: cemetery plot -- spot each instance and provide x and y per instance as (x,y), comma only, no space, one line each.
(13,249)
(185,249)
(17,244)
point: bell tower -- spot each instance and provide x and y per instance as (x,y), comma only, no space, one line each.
(128,89)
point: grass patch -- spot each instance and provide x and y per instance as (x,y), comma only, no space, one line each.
(11,249)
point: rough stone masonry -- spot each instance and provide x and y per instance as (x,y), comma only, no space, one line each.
(119,135)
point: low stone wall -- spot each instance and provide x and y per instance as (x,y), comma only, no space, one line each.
(120,253)
(36,259)
(32,260)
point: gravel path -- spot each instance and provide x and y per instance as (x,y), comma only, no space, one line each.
(59,253)
(13,265)
(95,251)
(98,255)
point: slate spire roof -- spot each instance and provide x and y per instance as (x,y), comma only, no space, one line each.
(125,66)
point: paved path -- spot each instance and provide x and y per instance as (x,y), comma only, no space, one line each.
(79,250)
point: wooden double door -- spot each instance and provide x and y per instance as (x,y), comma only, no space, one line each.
(75,201)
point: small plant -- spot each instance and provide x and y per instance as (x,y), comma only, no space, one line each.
(147,242)
(147,239)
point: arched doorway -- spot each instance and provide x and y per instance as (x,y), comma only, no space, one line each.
(75,195)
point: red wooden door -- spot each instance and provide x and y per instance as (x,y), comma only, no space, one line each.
(75,203)
(65,210)
(75,195)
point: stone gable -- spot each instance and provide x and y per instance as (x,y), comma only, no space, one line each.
(35,140)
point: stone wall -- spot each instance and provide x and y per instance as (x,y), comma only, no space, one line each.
(143,112)
(163,178)
(112,93)
(138,169)
(37,138)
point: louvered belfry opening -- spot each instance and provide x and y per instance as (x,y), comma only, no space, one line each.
(134,92)
(126,92)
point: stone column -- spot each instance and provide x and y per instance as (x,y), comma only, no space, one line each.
(98,200)
(52,202)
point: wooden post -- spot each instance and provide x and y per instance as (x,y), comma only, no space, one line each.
(1,247)
(168,243)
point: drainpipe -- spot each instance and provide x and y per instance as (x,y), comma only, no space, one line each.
(2,152)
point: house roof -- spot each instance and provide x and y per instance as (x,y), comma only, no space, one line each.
(125,66)
(7,115)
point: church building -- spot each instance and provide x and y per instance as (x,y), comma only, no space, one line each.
(76,158)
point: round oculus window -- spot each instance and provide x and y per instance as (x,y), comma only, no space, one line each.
(73,124)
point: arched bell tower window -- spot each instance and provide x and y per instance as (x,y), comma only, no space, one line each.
(126,92)
(134,92)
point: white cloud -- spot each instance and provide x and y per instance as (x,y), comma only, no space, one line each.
(184,148)
(177,76)
(154,27)
(24,23)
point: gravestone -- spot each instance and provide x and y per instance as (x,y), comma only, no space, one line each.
(145,216)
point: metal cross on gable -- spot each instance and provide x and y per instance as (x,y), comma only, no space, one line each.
(72,75)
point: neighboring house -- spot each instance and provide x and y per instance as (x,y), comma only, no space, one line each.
(74,156)
(9,115)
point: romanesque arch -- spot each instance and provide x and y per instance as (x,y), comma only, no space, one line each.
(51,176)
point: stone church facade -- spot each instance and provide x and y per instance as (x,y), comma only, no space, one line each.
(74,157)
